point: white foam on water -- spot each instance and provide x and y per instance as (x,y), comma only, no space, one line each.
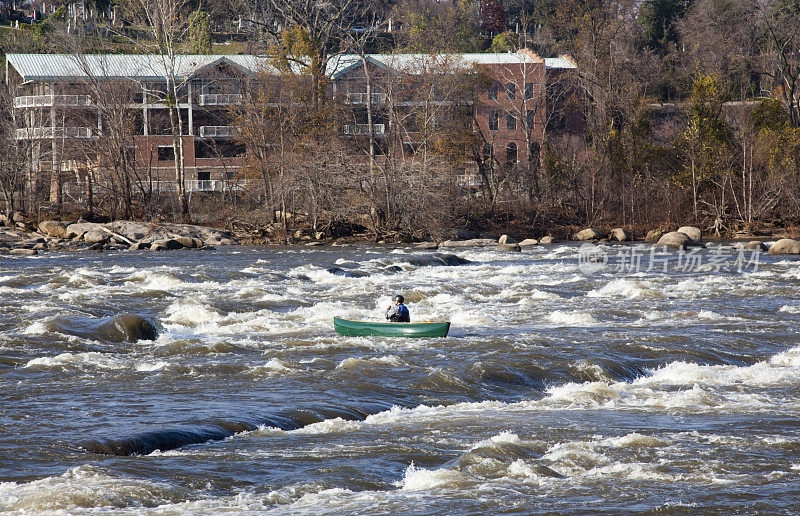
(709,315)
(421,479)
(355,363)
(3,279)
(336,425)
(520,469)
(149,367)
(501,438)
(36,328)
(634,471)
(118,269)
(81,488)
(88,360)
(636,440)
(191,312)
(150,280)
(701,287)
(620,288)
(534,296)
(576,318)
(275,367)
(790,309)
(789,358)
(575,457)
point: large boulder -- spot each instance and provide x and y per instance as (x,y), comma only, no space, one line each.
(505,239)
(620,235)
(191,243)
(53,228)
(77,230)
(692,232)
(785,246)
(654,235)
(95,236)
(547,240)
(133,231)
(169,243)
(675,239)
(587,234)
(529,241)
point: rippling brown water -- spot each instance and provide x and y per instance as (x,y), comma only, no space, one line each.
(560,388)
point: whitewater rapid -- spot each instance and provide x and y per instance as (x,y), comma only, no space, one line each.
(557,389)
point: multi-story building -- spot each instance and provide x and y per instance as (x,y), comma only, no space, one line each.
(505,96)
(65,104)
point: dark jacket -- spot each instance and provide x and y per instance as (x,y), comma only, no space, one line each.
(398,313)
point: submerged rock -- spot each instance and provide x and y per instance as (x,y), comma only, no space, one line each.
(128,328)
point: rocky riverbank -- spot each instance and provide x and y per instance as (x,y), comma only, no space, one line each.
(53,235)
(21,238)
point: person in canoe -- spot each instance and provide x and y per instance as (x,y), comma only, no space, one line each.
(398,312)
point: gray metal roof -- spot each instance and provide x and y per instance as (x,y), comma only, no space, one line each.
(559,63)
(48,67)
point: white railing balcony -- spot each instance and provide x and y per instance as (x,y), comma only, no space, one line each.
(30,101)
(220,99)
(218,131)
(36,133)
(361,98)
(199,185)
(363,129)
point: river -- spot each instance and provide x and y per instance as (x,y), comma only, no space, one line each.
(615,380)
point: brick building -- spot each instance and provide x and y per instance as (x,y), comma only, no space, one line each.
(59,101)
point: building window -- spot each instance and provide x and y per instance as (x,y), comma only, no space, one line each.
(166,153)
(493,92)
(528,90)
(511,91)
(493,118)
(487,152)
(529,119)
(221,148)
(511,122)
(511,154)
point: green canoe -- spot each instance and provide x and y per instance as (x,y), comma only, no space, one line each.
(390,329)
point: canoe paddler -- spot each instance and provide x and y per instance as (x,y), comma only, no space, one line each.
(398,312)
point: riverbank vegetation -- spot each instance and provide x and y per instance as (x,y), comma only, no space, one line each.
(690,113)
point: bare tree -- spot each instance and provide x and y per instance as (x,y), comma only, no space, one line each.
(167,23)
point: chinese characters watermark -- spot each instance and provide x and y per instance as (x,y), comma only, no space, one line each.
(660,259)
